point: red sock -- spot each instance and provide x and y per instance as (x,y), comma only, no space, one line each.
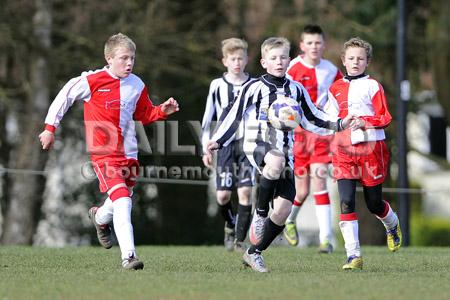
(296,203)
(349,217)
(322,199)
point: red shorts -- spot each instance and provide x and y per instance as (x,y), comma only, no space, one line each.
(111,173)
(367,162)
(310,148)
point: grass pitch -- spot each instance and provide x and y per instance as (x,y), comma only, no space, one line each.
(212,273)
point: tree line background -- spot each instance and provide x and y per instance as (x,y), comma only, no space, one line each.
(43,43)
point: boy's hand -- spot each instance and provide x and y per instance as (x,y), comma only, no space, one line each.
(357,123)
(47,139)
(347,122)
(207,160)
(211,146)
(352,122)
(170,106)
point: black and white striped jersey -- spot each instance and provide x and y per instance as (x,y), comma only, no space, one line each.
(220,97)
(252,108)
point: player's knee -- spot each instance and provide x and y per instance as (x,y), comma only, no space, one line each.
(300,196)
(274,167)
(223,197)
(244,198)
(319,184)
(347,207)
(118,193)
(347,203)
(271,173)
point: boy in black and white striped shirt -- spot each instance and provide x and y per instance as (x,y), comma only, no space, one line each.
(268,149)
(233,167)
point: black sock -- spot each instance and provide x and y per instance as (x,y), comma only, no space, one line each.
(227,213)
(266,191)
(243,220)
(271,231)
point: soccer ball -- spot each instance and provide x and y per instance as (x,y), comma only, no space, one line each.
(284,113)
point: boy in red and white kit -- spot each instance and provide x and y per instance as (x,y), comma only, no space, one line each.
(312,151)
(113,99)
(361,155)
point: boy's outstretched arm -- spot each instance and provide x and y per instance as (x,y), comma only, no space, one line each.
(75,89)
(147,113)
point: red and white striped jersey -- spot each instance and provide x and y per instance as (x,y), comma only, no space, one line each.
(111,105)
(364,97)
(316,79)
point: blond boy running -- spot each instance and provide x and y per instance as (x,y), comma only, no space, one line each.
(114,98)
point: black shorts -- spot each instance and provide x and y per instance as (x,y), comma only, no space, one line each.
(286,184)
(233,167)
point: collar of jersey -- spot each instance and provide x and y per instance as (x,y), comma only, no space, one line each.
(303,61)
(111,74)
(278,81)
(350,78)
(248,79)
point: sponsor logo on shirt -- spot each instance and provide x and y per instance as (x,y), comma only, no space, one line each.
(113,104)
(119,104)
(104,90)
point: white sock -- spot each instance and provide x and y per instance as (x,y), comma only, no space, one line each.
(323,213)
(294,212)
(104,214)
(349,231)
(123,226)
(390,220)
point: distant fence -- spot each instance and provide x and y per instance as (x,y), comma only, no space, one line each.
(206,182)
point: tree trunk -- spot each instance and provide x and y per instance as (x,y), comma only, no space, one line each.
(257,15)
(26,190)
(4,158)
(438,32)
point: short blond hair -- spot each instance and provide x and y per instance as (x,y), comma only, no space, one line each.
(274,42)
(231,45)
(118,40)
(357,42)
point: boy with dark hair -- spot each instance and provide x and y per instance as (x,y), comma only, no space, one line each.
(312,151)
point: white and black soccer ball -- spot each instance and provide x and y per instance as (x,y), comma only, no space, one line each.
(284,113)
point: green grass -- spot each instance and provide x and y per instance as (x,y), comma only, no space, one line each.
(211,273)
